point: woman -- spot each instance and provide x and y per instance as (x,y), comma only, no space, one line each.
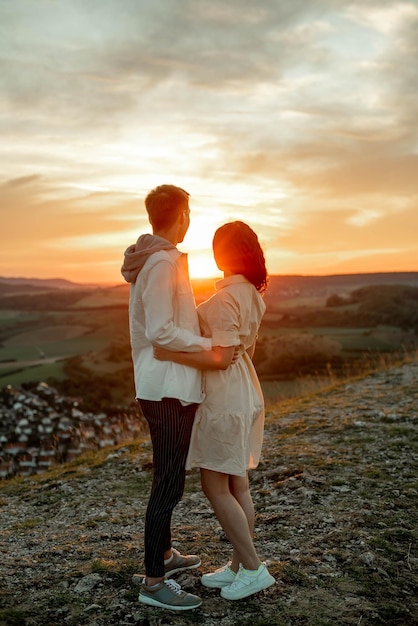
(228,429)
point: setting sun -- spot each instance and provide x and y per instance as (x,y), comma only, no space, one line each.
(198,244)
(202,266)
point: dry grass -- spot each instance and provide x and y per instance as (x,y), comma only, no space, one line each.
(336,501)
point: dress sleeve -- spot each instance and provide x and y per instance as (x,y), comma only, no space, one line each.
(222,318)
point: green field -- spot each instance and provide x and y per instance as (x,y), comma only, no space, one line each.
(377,339)
(15,378)
(30,340)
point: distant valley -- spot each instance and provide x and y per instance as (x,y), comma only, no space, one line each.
(75,336)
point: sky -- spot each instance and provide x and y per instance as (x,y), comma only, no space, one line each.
(299,117)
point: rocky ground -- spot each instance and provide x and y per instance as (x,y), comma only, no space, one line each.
(336,501)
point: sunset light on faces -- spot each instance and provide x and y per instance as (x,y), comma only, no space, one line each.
(309,134)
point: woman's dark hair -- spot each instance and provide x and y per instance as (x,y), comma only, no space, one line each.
(236,249)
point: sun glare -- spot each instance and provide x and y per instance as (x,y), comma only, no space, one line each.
(202,265)
(198,245)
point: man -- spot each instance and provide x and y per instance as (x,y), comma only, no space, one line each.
(162,311)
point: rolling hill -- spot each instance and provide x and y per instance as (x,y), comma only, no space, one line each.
(77,335)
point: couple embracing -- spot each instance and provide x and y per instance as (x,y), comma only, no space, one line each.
(199,392)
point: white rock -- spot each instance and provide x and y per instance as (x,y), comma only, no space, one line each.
(87,583)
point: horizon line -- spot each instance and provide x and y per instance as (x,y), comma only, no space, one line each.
(197,278)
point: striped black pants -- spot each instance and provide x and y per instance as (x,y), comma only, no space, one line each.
(170,425)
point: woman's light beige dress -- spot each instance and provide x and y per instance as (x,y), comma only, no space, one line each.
(228,428)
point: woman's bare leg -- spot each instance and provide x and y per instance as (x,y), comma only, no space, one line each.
(239,487)
(232,516)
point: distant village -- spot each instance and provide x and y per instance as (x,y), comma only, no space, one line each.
(40,428)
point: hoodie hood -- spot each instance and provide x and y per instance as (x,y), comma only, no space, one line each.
(138,253)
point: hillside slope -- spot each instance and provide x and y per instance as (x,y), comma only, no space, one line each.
(336,502)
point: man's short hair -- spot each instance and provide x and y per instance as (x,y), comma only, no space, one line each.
(164,204)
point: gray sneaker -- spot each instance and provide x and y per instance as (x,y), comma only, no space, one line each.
(168,595)
(180,563)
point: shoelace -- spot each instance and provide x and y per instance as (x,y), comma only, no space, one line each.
(175,587)
(237,582)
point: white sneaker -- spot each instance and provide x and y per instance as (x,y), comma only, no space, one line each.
(219,578)
(248,582)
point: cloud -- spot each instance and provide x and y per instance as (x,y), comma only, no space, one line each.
(76,233)
(339,241)
(291,115)
(106,56)
(37,209)
(22,181)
